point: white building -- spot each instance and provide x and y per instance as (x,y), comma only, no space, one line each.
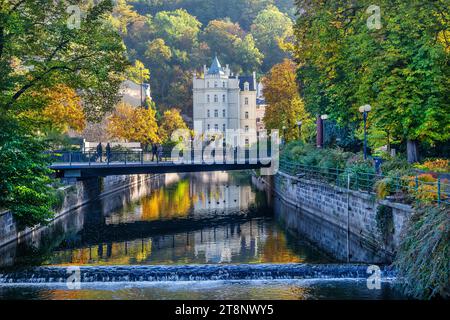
(224,101)
(260,108)
(133,92)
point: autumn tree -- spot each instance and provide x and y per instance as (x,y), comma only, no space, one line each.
(42,47)
(170,121)
(284,105)
(133,124)
(399,68)
(270,28)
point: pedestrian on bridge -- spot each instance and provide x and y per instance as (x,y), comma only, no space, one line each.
(108,152)
(160,153)
(154,152)
(99,151)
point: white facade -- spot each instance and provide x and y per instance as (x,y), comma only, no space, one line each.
(224,101)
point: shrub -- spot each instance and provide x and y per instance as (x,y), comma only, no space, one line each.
(384,187)
(422,258)
(396,164)
(437,165)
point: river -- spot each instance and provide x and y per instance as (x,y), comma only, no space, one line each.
(195,236)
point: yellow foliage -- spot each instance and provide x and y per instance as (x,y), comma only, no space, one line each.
(427,188)
(170,122)
(284,105)
(133,124)
(63,108)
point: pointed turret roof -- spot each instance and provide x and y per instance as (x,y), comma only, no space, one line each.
(215,68)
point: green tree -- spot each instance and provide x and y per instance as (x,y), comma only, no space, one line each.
(269,28)
(88,58)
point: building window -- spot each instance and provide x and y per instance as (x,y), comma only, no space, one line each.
(208,126)
(258,120)
(223,113)
(223,98)
(216,113)
(208,98)
(209,114)
(224,127)
(246,128)
(246,114)
(216,99)
(224,84)
(207,84)
(216,127)
(246,101)
(247,142)
(215,84)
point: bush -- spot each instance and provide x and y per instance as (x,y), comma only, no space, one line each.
(396,164)
(437,165)
(422,258)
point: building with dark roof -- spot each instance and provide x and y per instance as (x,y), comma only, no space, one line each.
(223,100)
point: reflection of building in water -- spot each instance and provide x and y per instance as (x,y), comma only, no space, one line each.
(219,197)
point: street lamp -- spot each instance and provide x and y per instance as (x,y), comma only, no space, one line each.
(142,86)
(364,110)
(299,125)
(322,128)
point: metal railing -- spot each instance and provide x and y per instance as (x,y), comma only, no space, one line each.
(143,157)
(402,188)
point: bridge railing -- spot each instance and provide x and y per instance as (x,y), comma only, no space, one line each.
(421,188)
(142,157)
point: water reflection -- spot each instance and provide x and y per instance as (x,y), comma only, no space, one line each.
(199,218)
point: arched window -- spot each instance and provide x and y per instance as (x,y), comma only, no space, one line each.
(224,99)
(223,113)
(209,114)
(224,127)
(224,84)
(246,114)
(246,128)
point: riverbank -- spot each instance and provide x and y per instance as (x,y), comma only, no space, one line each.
(356,216)
(75,196)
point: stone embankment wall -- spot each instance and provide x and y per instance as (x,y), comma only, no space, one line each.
(75,196)
(355,212)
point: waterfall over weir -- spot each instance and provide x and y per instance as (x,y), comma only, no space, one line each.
(131,273)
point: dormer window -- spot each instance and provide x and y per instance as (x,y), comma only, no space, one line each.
(246,86)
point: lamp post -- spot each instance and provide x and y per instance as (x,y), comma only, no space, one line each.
(299,125)
(323,118)
(365,109)
(142,85)
(284,134)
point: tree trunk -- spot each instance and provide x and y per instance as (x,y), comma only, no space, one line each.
(412,151)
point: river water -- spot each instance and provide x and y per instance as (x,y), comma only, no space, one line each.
(195,236)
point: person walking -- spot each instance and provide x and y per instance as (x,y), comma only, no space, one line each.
(108,152)
(160,152)
(99,151)
(154,152)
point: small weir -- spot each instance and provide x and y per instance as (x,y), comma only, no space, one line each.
(192,273)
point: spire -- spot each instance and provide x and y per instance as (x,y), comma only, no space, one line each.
(215,68)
